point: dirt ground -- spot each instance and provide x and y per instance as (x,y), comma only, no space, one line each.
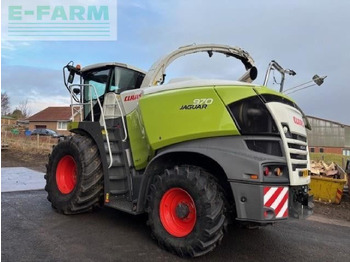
(16,158)
(37,161)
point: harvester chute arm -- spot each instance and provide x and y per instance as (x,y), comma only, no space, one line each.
(157,72)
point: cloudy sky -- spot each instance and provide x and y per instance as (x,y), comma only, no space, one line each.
(310,37)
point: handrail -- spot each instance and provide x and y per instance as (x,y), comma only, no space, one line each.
(274,65)
(92,115)
(123,121)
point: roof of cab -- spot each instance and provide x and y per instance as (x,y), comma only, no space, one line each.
(99,65)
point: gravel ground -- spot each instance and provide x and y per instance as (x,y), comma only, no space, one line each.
(14,158)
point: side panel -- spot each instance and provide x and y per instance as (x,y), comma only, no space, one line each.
(230,94)
(175,116)
(238,163)
(233,155)
(140,148)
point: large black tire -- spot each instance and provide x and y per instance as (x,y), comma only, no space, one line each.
(74,178)
(195,188)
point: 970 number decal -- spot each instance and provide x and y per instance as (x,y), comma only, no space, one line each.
(203,101)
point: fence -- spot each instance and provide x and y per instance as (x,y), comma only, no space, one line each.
(34,144)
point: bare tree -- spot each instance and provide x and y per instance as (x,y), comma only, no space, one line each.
(5,103)
(24,108)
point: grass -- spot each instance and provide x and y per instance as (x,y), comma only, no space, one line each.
(328,158)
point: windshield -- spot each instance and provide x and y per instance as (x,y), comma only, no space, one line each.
(99,80)
(125,79)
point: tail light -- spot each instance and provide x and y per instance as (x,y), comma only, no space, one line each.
(273,171)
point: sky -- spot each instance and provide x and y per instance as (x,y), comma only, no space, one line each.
(310,37)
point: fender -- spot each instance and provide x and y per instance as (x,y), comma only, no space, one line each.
(93,130)
(230,153)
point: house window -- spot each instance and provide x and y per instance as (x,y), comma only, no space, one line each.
(346,152)
(312,149)
(321,150)
(61,125)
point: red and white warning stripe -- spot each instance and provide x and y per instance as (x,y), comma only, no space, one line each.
(338,196)
(277,198)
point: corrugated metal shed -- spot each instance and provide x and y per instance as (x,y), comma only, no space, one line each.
(328,133)
(347,136)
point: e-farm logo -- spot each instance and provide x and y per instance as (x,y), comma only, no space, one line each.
(87,20)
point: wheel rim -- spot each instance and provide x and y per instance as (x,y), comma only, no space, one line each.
(66,177)
(177,212)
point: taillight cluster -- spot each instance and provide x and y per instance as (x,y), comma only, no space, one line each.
(273,170)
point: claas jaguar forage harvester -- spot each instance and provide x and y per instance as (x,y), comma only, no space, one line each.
(194,154)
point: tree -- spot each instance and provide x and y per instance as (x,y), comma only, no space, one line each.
(5,103)
(24,108)
(17,114)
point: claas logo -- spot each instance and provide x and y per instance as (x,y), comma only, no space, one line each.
(298,121)
(132,97)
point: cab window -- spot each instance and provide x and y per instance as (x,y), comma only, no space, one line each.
(99,80)
(125,79)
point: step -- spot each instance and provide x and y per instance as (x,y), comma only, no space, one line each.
(122,204)
(114,148)
(116,162)
(116,177)
(118,191)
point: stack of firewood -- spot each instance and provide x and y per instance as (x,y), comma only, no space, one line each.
(321,168)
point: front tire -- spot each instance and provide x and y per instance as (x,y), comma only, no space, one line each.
(186,211)
(74,177)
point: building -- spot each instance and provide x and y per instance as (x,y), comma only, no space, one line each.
(55,118)
(8,120)
(328,137)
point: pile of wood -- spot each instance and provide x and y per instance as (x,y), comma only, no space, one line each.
(332,170)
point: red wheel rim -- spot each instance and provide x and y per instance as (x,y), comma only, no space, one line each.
(177,212)
(66,177)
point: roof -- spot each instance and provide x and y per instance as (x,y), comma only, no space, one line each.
(329,121)
(52,114)
(8,117)
(99,65)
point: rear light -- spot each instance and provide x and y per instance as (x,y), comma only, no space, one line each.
(277,171)
(273,170)
(266,171)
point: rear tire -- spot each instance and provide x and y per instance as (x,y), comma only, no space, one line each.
(74,177)
(186,211)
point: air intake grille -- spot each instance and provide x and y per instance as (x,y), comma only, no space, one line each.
(297,145)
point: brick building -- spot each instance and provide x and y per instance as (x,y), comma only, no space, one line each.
(55,118)
(328,137)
